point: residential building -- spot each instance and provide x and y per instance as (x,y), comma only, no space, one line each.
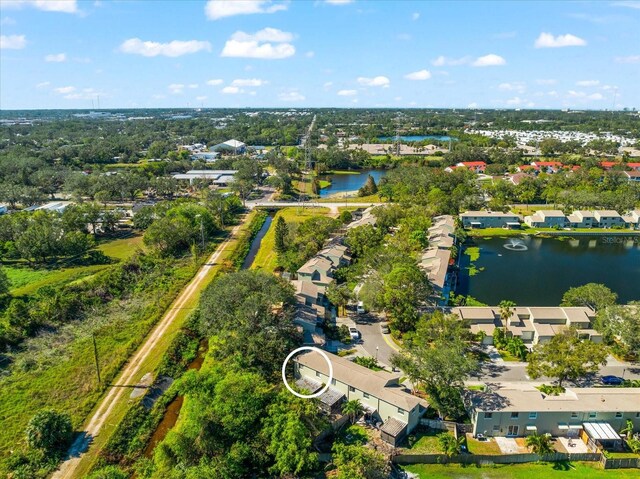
(317,270)
(633,175)
(207,156)
(380,392)
(531,324)
(632,219)
(608,218)
(490,219)
(3,209)
(581,219)
(435,263)
(547,166)
(336,253)
(519,409)
(216,177)
(475,166)
(546,219)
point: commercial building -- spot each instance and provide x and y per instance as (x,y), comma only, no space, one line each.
(216,177)
(381,394)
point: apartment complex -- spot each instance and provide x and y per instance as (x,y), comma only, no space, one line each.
(490,219)
(380,392)
(531,324)
(437,258)
(582,219)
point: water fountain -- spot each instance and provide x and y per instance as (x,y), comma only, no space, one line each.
(516,245)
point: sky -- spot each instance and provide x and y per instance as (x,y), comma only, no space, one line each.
(319,53)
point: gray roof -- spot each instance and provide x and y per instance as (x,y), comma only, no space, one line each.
(331,397)
(393,427)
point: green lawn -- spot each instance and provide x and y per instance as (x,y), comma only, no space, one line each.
(488,447)
(424,442)
(266,259)
(576,470)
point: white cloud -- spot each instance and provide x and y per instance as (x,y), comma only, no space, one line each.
(515,86)
(397,98)
(472,105)
(629,59)
(291,96)
(627,3)
(216,9)
(64,6)
(43,84)
(517,101)
(12,42)
(442,61)
(338,2)
(327,85)
(347,92)
(56,58)
(588,83)
(547,40)
(193,85)
(215,82)
(248,82)
(201,98)
(419,75)
(548,81)
(490,60)
(576,94)
(176,88)
(415,16)
(7,21)
(85,94)
(310,54)
(268,43)
(64,90)
(231,90)
(375,81)
(595,96)
(174,48)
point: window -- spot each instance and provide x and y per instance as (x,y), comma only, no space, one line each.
(638,414)
(333,382)
(574,415)
(514,415)
(400,410)
(593,415)
(352,389)
(533,415)
(618,414)
(366,395)
(513,430)
(488,415)
(317,374)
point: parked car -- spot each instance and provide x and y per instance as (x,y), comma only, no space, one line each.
(354,333)
(612,380)
(384,327)
(360,308)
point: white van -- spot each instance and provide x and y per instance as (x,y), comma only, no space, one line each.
(360,308)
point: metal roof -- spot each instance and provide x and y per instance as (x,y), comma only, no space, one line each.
(601,431)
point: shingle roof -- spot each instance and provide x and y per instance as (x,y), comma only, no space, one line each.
(393,427)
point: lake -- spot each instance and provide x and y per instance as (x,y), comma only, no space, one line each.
(342,183)
(537,271)
(410,138)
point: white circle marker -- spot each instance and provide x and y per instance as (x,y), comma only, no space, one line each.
(326,358)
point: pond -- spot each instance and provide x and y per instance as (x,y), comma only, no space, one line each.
(537,271)
(350,182)
(411,138)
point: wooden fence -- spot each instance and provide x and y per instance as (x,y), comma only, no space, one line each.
(453,427)
(622,463)
(482,459)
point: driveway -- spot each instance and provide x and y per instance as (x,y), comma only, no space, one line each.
(373,342)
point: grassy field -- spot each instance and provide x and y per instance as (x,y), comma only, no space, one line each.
(482,447)
(25,279)
(266,259)
(425,442)
(576,470)
(352,199)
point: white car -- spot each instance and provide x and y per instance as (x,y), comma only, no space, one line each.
(360,308)
(354,333)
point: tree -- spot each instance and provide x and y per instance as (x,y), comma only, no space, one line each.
(353,409)
(540,444)
(566,356)
(363,239)
(369,188)
(405,287)
(108,472)
(5,284)
(50,431)
(593,295)
(621,325)
(358,462)
(281,232)
(506,310)
(449,444)
(339,295)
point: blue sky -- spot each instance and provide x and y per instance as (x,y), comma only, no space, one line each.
(66,54)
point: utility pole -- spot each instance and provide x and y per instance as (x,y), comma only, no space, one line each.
(95,355)
(201,229)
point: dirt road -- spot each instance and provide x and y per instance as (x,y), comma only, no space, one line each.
(131,370)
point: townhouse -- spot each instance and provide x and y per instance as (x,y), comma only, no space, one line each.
(490,219)
(581,219)
(546,219)
(437,258)
(520,409)
(384,399)
(531,324)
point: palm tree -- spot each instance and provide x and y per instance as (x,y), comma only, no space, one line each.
(353,409)
(506,310)
(516,347)
(539,444)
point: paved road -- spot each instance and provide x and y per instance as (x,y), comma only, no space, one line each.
(132,371)
(333,206)
(373,342)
